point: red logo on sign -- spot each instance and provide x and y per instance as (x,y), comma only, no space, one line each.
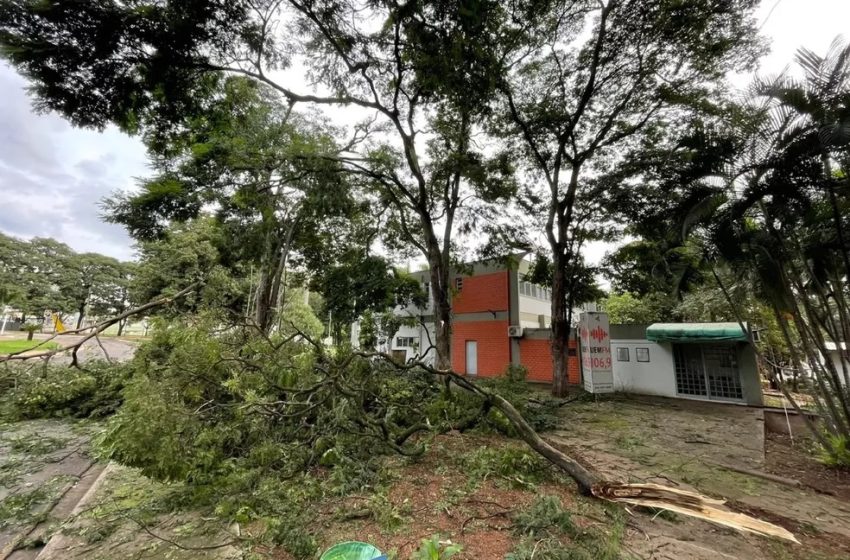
(599,334)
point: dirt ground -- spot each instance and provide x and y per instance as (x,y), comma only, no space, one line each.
(690,445)
(794,459)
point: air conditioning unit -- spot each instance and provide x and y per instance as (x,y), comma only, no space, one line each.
(515,331)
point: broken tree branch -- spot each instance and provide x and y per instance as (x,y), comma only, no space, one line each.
(589,483)
(95,330)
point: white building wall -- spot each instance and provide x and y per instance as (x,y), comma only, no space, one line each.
(835,356)
(534,307)
(655,377)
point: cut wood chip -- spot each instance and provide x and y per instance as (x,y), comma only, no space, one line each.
(690,504)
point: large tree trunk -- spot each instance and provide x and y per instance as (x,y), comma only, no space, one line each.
(121,326)
(442,310)
(262,304)
(81,311)
(560,327)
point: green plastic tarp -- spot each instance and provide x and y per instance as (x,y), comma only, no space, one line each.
(695,332)
(352,550)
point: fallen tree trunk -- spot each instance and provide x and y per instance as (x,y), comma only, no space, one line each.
(647,495)
(583,477)
(690,504)
(591,484)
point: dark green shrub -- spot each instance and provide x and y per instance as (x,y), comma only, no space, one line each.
(545,515)
(261,427)
(549,533)
(46,391)
(514,464)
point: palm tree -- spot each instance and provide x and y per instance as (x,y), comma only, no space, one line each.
(768,199)
(785,221)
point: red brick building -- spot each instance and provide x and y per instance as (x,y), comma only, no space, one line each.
(499,320)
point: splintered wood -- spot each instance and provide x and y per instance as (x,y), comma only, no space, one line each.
(688,503)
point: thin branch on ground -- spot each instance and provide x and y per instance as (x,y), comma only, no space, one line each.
(95,330)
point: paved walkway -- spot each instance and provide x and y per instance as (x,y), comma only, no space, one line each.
(45,467)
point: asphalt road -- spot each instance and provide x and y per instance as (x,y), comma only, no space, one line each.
(117,349)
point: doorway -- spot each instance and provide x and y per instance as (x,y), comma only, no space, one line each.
(711,371)
(471,357)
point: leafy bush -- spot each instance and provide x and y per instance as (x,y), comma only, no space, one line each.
(545,514)
(517,465)
(540,413)
(433,549)
(263,426)
(549,533)
(45,391)
(839,454)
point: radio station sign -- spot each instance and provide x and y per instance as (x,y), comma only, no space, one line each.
(595,345)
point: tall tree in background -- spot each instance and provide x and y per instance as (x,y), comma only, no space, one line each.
(86,276)
(599,78)
(113,297)
(762,206)
(422,69)
(785,225)
(268,173)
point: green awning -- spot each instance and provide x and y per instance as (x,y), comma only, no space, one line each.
(695,332)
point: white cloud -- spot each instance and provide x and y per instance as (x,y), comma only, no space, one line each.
(53,176)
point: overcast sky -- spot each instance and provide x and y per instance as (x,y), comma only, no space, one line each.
(52,176)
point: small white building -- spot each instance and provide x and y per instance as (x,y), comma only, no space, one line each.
(702,361)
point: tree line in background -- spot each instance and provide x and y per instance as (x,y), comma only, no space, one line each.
(43,276)
(535,125)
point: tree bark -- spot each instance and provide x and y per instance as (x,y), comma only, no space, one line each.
(81,311)
(439,276)
(121,326)
(583,477)
(560,328)
(262,303)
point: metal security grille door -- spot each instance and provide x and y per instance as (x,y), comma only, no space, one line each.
(690,375)
(721,369)
(707,371)
(471,357)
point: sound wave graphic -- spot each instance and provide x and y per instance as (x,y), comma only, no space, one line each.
(599,334)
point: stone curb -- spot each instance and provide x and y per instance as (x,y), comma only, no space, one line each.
(60,542)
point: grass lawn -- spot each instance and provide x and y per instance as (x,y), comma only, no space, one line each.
(12,346)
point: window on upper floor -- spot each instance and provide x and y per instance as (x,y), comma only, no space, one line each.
(459,283)
(405,341)
(533,290)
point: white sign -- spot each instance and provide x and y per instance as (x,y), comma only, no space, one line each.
(595,341)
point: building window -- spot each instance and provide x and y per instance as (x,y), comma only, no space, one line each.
(405,342)
(622,354)
(459,283)
(642,354)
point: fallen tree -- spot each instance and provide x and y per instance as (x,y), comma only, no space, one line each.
(202,396)
(589,483)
